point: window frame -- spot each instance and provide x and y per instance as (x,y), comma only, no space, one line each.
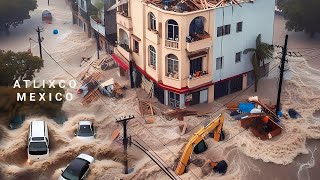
(174,33)
(136,46)
(239,27)
(220,60)
(152,53)
(175,101)
(227,31)
(152,21)
(238,58)
(174,62)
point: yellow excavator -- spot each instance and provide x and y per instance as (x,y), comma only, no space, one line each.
(197,145)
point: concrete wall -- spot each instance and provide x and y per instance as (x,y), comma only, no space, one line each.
(257,17)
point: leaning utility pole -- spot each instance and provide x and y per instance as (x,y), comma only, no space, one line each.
(124,120)
(283,59)
(39,41)
(98,44)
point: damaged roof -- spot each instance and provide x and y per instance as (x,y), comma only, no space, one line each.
(191,5)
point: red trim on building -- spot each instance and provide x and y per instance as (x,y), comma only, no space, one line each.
(169,88)
(120,62)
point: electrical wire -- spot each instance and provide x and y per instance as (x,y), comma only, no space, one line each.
(106,105)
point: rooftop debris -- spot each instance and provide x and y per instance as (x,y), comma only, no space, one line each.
(191,5)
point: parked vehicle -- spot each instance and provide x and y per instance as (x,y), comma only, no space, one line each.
(85,131)
(38,141)
(78,168)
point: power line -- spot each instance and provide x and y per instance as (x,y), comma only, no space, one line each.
(106,105)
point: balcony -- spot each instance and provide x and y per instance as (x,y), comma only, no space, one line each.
(199,80)
(124,51)
(198,41)
(84,14)
(124,20)
(153,36)
(172,44)
(96,25)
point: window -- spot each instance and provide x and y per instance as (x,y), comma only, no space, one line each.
(152,21)
(195,66)
(152,57)
(219,63)
(83,5)
(173,30)
(136,46)
(174,100)
(220,31)
(238,57)
(239,27)
(173,66)
(223,30)
(227,29)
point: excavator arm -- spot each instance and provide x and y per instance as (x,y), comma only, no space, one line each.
(215,125)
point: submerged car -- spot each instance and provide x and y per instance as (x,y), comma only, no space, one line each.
(78,168)
(85,131)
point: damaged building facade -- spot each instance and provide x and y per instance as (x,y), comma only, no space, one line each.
(190,52)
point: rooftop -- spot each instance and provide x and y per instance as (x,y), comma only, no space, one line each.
(191,5)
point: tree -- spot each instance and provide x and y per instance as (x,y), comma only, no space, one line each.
(17,66)
(262,52)
(301,15)
(14,12)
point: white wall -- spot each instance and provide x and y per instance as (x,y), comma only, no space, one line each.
(257,17)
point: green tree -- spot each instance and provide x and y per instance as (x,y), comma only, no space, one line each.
(17,66)
(14,12)
(262,52)
(301,15)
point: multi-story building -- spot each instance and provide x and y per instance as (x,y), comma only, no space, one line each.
(103,23)
(80,13)
(185,52)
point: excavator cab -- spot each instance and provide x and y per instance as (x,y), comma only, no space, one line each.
(200,147)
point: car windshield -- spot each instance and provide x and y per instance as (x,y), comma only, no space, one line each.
(85,131)
(38,148)
(70,174)
(73,171)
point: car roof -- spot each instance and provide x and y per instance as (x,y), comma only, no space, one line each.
(85,123)
(38,128)
(77,164)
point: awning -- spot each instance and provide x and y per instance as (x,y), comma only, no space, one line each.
(120,62)
(119,3)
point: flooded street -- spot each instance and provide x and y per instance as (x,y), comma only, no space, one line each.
(295,154)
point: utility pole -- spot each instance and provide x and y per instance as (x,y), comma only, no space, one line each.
(283,59)
(39,40)
(98,41)
(48,2)
(124,120)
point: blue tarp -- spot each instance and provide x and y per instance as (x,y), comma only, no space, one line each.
(246,107)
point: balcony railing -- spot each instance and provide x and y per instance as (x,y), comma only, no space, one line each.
(198,41)
(198,80)
(172,44)
(96,25)
(124,51)
(124,20)
(174,75)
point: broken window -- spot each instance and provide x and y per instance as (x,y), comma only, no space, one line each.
(173,30)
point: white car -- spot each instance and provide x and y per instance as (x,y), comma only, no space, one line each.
(78,168)
(85,131)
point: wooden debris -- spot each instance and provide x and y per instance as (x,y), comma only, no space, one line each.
(183,128)
(145,108)
(93,96)
(179,113)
